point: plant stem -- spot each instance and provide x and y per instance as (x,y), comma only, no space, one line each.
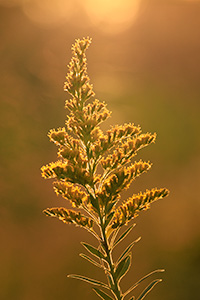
(116,289)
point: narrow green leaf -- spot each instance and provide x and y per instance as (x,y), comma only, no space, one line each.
(109,231)
(148,289)
(124,234)
(101,294)
(139,281)
(109,218)
(123,268)
(95,203)
(89,280)
(114,233)
(110,280)
(110,206)
(93,250)
(126,251)
(91,260)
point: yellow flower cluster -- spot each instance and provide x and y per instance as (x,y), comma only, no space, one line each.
(83,149)
(82,122)
(59,136)
(71,192)
(120,180)
(114,136)
(77,81)
(69,216)
(135,204)
(125,152)
(67,172)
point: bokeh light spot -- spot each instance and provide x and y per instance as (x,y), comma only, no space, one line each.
(112,17)
(49,13)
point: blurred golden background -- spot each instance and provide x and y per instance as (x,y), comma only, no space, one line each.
(145,63)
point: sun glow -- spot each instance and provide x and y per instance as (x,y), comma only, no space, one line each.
(112,16)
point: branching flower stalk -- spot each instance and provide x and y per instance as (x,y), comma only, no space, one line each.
(92,170)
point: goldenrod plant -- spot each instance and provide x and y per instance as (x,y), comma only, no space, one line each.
(92,170)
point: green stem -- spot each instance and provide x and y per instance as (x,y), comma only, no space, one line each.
(116,289)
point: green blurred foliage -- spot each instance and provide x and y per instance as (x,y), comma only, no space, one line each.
(148,74)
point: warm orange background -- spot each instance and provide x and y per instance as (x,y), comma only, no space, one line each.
(145,63)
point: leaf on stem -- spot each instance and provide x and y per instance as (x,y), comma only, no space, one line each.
(109,218)
(95,203)
(88,280)
(110,231)
(91,260)
(101,294)
(110,281)
(142,279)
(148,289)
(124,235)
(122,268)
(126,251)
(93,250)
